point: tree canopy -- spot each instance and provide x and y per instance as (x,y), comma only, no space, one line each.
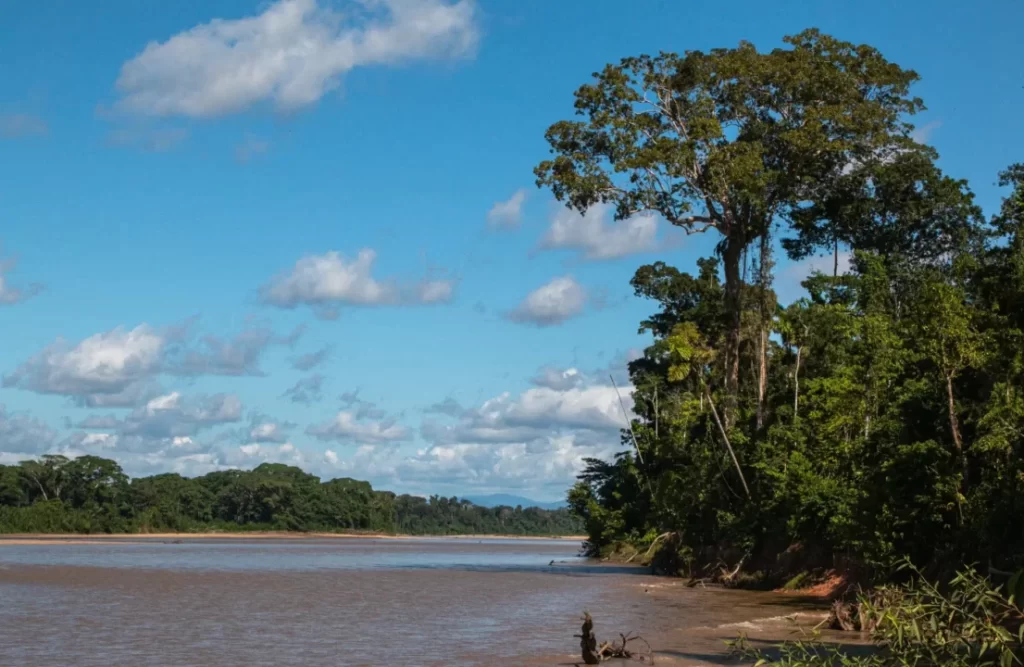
(879,416)
(92,495)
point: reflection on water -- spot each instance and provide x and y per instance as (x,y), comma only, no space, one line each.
(325,554)
(326,602)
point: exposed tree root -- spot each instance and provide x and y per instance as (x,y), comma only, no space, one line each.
(593,654)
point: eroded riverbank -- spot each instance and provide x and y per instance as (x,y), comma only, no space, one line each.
(354,602)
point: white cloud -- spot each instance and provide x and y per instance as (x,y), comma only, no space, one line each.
(98,370)
(507,214)
(348,427)
(449,406)
(558,379)
(545,467)
(329,279)
(267,431)
(550,304)
(251,455)
(290,55)
(21,433)
(307,390)
(596,236)
(536,413)
(171,415)
(236,356)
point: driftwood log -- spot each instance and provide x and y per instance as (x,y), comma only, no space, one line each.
(593,654)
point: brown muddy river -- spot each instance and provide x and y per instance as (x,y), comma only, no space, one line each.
(318,602)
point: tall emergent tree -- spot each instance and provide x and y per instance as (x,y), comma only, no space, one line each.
(734,140)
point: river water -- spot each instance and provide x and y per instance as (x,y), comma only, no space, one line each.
(310,602)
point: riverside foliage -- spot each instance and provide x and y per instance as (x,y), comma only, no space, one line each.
(879,416)
(90,494)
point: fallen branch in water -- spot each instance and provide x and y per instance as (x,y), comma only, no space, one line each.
(727,576)
(593,654)
(653,544)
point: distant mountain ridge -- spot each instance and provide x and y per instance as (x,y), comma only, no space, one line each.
(498,499)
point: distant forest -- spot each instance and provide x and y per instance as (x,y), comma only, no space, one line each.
(90,494)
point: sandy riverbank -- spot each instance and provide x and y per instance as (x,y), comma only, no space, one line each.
(76,538)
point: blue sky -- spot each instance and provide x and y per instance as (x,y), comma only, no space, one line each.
(184,212)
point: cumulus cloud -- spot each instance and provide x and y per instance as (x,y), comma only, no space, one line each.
(448,406)
(361,409)
(507,214)
(16,125)
(9,294)
(536,413)
(100,370)
(99,422)
(236,356)
(20,433)
(140,455)
(550,304)
(557,378)
(551,465)
(172,415)
(310,360)
(307,390)
(329,280)
(290,55)
(252,454)
(596,236)
(260,429)
(544,468)
(348,427)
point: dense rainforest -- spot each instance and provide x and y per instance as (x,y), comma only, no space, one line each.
(878,417)
(90,494)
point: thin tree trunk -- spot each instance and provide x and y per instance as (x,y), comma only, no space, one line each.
(655,412)
(796,383)
(954,427)
(725,439)
(835,256)
(41,489)
(762,379)
(764,280)
(731,259)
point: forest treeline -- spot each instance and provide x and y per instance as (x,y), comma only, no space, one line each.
(90,494)
(878,416)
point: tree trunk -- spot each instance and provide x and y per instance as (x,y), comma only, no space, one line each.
(796,383)
(732,255)
(835,257)
(764,280)
(954,427)
(41,489)
(762,376)
(725,439)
